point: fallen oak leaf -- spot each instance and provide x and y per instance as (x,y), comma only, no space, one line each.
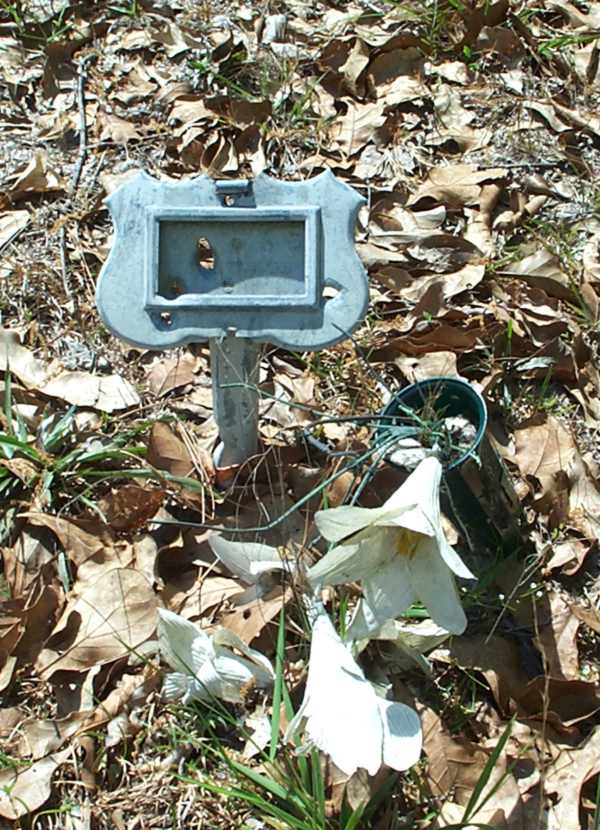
(565,778)
(557,637)
(112,618)
(89,544)
(11,224)
(118,130)
(24,790)
(107,393)
(38,738)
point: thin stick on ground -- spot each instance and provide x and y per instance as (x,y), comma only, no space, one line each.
(83,150)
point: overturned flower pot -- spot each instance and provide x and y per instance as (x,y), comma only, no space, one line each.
(447,417)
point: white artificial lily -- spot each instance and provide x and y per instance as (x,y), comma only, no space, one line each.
(400,553)
(251,561)
(342,715)
(205,666)
(408,642)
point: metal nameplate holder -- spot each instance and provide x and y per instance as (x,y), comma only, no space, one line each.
(238,263)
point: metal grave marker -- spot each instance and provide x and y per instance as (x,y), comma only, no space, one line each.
(238,263)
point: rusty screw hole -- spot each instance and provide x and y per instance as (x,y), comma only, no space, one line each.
(205,255)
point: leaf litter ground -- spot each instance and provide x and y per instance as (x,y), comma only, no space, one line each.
(472,131)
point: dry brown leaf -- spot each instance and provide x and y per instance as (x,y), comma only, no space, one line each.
(435,365)
(130,506)
(111,618)
(117,129)
(350,132)
(561,703)
(440,337)
(171,373)
(590,616)
(37,617)
(188,110)
(24,790)
(452,122)
(565,778)
(249,620)
(498,659)
(567,554)
(38,738)
(542,450)
(30,371)
(548,113)
(456,185)
(108,393)
(354,65)
(556,638)
(209,592)
(542,270)
(12,223)
(548,453)
(89,544)
(166,451)
(455,765)
(582,22)
(37,177)
(105,392)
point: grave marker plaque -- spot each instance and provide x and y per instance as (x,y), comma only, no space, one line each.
(238,263)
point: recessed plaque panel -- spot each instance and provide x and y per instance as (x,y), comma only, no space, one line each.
(232,258)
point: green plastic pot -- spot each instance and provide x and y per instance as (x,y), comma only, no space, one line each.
(451,397)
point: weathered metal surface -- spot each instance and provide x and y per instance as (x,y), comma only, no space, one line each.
(266,260)
(234,365)
(237,263)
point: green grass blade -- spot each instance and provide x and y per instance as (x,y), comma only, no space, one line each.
(13,445)
(318,786)
(8,399)
(473,805)
(268,784)
(278,685)
(255,800)
(354,819)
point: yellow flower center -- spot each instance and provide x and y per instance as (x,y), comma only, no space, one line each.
(406,542)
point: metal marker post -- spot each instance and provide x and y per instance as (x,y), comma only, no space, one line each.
(234,365)
(237,263)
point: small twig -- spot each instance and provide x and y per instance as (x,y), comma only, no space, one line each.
(83,149)
(63,265)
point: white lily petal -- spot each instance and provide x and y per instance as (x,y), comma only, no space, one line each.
(346,563)
(424,481)
(296,724)
(363,626)
(233,673)
(183,645)
(175,686)
(260,568)
(259,725)
(225,637)
(434,585)
(342,718)
(207,682)
(337,523)
(423,487)
(388,592)
(402,737)
(452,559)
(422,636)
(239,557)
